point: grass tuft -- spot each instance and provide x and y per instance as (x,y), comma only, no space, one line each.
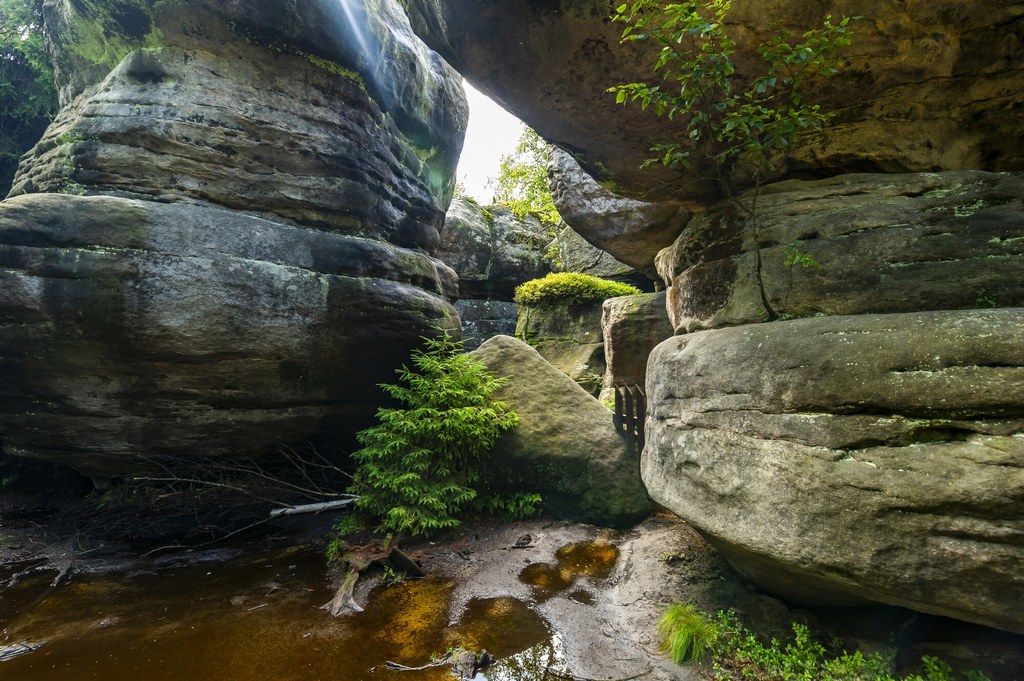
(687,634)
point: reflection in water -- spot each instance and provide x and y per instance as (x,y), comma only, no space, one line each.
(256,620)
(535,663)
(593,560)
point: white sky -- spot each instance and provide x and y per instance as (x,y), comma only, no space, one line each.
(492,133)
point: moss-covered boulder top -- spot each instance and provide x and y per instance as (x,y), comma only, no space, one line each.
(570,288)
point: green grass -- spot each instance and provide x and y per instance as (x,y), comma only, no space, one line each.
(687,634)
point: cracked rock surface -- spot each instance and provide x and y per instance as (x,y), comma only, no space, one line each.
(851,459)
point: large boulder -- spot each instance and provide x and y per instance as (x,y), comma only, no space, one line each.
(630,230)
(565,446)
(632,326)
(136,329)
(221,244)
(882,243)
(928,87)
(855,458)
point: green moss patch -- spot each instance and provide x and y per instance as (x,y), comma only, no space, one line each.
(570,288)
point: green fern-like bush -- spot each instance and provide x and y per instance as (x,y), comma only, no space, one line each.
(688,635)
(570,288)
(419,466)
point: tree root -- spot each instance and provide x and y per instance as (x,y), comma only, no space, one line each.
(396,560)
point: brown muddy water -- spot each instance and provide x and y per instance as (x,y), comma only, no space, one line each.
(254,619)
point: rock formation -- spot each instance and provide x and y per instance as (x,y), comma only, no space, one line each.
(869,450)
(569,337)
(857,458)
(221,244)
(565,446)
(869,457)
(882,243)
(630,230)
(631,326)
(491,249)
(925,87)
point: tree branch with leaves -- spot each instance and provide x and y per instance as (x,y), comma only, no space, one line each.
(741,125)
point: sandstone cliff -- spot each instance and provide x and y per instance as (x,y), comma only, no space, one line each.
(222,244)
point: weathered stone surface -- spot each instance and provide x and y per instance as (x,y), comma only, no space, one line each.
(575,254)
(856,458)
(565,447)
(885,243)
(134,328)
(483,319)
(569,337)
(631,231)
(369,42)
(225,119)
(632,326)
(926,87)
(491,249)
(220,245)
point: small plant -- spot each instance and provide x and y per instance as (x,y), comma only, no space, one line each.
(739,655)
(795,256)
(336,549)
(688,635)
(570,288)
(512,507)
(349,524)
(419,466)
(392,576)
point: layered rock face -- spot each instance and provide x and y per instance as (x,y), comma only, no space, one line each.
(853,458)
(925,87)
(221,244)
(491,249)
(872,450)
(882,243)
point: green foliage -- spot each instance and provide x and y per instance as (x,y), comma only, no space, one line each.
(738,654)
(728,117)
(734,121)
(570,288)
(794,255)
(28,99)
(522,187)
(687,634)
(522,182)
(418,467)
(512,507)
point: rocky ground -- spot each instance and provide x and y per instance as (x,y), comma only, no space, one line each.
(597,593)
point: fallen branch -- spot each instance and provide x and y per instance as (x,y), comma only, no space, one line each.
(314,508)
(465,663)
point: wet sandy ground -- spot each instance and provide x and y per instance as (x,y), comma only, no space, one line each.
(600,591)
